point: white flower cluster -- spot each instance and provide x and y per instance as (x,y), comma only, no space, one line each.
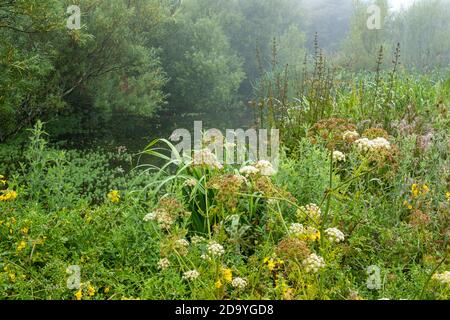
(240,178)
(215,249)
(181,243)
(191,275)
(350,135)
(338,156)
(375,145)
(248,170)
(443,278)
(296,229)
(206,257)
(197,239)
(239,283)
(163,264)
(265,168)
(190,182)
(162,217)
(313,263)
(335,235)
(150,217)
(206,158)
(312,211)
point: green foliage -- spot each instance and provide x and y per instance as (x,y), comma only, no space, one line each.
(205,73)
(65,178)
(120,248)
(363,178)
(107,65)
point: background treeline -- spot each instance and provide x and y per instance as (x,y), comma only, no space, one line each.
(136,57)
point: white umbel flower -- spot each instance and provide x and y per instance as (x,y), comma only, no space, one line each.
(248,170)
(150,217)
(363,145)
(206,257)
(335,235)
(296,229)
(197,239)
(350,135)
(182,243)
(163,264)
(338,156)
(381,143)
(311,211)
(265,168)
(215,249)
(378,144)
(443,278)
(191,275)
(239,283)
(190,182)
(313,263)
(206,158)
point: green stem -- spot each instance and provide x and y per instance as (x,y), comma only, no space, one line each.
(430,276)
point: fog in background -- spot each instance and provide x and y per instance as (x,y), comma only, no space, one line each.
(141,63)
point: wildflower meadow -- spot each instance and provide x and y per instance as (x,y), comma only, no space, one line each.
(346,198)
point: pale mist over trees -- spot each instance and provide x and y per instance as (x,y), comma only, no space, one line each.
(138,57)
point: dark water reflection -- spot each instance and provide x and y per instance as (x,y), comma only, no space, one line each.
(134,132)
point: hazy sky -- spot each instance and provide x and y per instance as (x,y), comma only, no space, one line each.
(397,4)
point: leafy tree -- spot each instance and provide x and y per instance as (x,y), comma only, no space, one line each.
(362,44)
(205,72)
(27,88)
(423,31)
(108,65)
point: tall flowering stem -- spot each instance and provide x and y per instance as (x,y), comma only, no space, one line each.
(328,200)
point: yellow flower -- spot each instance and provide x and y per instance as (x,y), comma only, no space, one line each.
(271,265)
(79,295)
(218,284)
(12,277)
(24,230)
(447,194)
(415,190)
(106,290)
(407,204)
(21,246)
(8,195)
(227,275)
(114,196)
(2,180)
(91,291)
